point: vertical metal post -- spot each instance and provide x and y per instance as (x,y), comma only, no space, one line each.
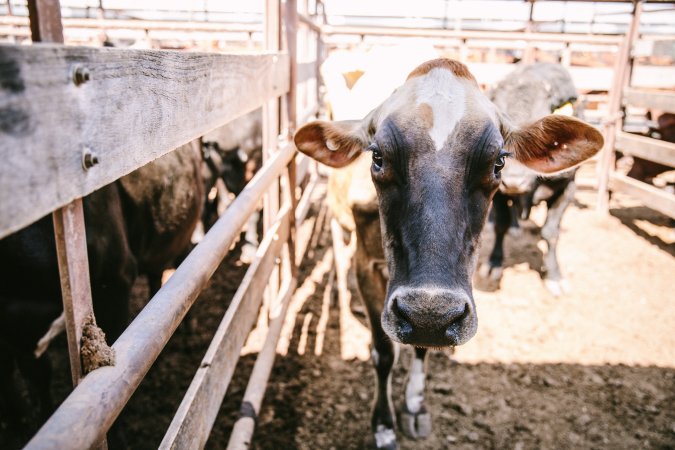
(71,248)
(291,25)
(528,53)
(622,73)
(45,21)
(271,113)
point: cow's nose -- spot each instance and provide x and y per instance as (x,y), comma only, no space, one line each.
(431,317)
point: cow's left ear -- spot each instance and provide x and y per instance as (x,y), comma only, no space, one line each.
(552,143)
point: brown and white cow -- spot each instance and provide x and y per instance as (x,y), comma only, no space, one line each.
(434,151)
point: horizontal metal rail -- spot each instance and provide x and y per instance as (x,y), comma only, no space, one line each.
(92,407)
(646,148)
(130,24)
(464,34)
(662,100)
(650,196)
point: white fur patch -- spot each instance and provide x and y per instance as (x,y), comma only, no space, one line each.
(414,389)
(445,94)
(384,436)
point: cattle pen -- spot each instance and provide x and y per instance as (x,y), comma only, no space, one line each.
(62,106)
(189,94)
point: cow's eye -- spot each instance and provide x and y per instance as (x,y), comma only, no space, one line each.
(377,156)
(501,161)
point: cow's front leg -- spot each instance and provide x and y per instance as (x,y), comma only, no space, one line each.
(550,232)
(415,420)
(372,287)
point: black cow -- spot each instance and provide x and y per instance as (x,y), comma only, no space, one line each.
(529,93)
(137,225)
(232,156)
(434,151)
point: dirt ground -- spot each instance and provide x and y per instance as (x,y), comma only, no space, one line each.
(592,369)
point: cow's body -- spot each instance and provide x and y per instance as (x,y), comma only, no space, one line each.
(232,156)
(139,224)
(527,94)
(425,166)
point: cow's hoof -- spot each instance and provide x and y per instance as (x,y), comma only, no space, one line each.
(558,287)
(385,438)
(415,426)
(489,272)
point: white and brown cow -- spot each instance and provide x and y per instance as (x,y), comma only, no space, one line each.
(434,151)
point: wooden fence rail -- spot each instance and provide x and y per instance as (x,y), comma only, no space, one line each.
(124,107)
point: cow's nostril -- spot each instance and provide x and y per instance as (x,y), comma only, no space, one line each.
(400,310)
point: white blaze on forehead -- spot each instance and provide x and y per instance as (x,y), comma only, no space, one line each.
(445,94)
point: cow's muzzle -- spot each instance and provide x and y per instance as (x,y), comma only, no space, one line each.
(429,317)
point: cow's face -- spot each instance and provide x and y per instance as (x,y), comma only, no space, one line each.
(438,146)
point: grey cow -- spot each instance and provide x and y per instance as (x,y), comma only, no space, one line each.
(426,164)
(529,93)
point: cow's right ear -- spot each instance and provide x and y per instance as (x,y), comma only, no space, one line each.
(335,144)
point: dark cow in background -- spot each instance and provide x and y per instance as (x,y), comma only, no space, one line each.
(232,155)
(137,225)
(527,94)
(426,164)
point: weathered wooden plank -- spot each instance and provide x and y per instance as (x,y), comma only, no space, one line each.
(647,148)
(92,407)
(192,423)
(664,101)
(135,106)
(650,196)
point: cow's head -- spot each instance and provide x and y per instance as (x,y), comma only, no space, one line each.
(438,146)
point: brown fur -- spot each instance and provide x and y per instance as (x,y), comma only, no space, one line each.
(453,66)
(546,140)
(425,115)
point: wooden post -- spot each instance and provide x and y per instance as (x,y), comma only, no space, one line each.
(69,230)
(622,72)
(71,240)
(45,21)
